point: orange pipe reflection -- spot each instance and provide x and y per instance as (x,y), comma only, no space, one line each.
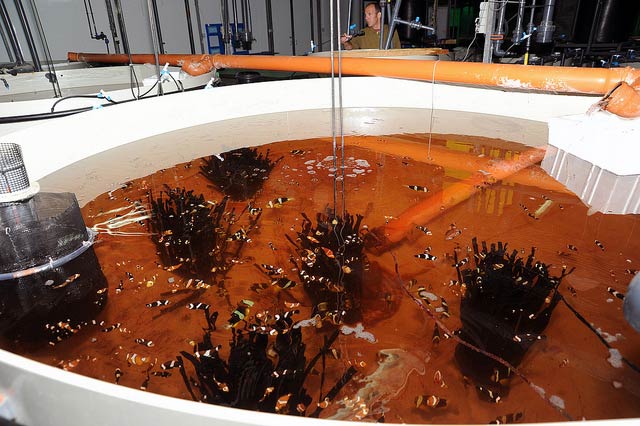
(382,238)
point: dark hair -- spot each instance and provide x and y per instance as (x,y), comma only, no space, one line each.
(376,5)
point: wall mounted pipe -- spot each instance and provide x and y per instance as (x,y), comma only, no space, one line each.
(498,34)
(546,27)
(517,32)
(597,81)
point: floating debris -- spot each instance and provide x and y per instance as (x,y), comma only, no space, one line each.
(240,173)
(359,332)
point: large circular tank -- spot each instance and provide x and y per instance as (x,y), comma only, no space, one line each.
(96,150)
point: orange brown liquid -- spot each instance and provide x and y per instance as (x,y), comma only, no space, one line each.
(403,363)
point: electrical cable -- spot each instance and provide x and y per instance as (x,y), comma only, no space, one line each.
(469,47)
(58,114)
(133,78)
(84,97)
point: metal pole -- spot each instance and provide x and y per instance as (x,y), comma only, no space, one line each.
(596,17)
(26,28)
(11,32)
(487,55)
(6,43)
(546,27)
(293,29)
(226,27)
(349,17)
(392,26)
(382,11)
(236,36)
(158,30)
(123,28)
(154,40)
(187,11)
(269,26)
(47,53)
(319,23)
(196,3)
(515,39)
(311,23)
(530,32)
(112,26)
(246,36)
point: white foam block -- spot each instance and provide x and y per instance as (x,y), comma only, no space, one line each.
(596,157)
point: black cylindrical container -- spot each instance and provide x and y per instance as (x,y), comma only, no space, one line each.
(48,270)
(244,77)
(611,20)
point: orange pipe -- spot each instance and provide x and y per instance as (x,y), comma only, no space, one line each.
(392,233)
(624,100)
(553,79)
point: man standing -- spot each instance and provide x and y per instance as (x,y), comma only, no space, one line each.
(370,39)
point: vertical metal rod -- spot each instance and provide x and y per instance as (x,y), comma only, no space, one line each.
(349,17)
(234,7)
(448,31)
(487,56)
(382,10)
(112,26)
(333,107)
(244,8)
(154,41)
(340,115)
(392,26)
(530,32)
(226,27)
(319,23)
(11,32)
(123,28)
(26,28)
(517,33)
(246,37)
(435,17)
(47,53)
(596,18)
(293,29)
(196,3)
(574,25)
(158,30)
(311,23)
(269,26)
(187,11)
(5,41)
